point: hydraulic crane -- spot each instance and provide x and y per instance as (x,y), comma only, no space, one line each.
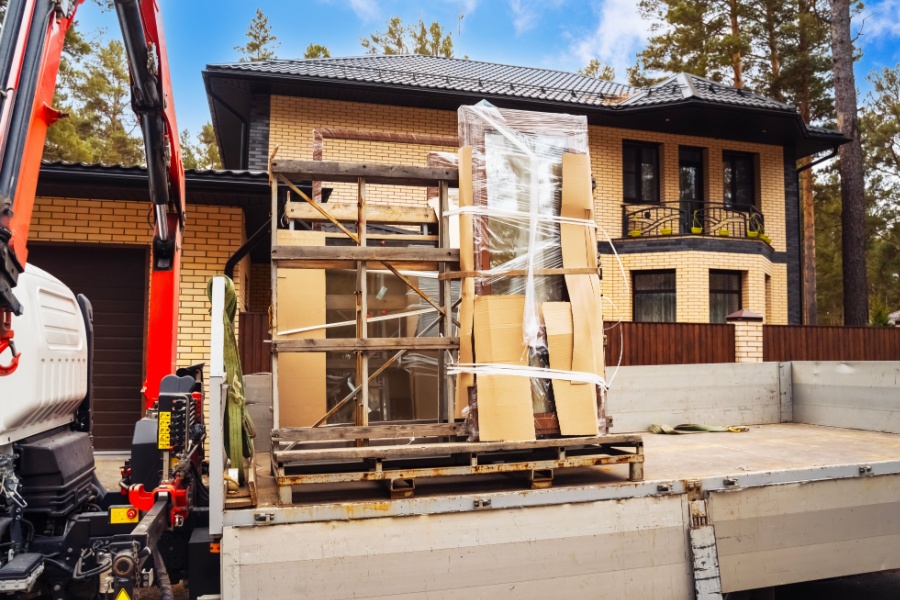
(71,539)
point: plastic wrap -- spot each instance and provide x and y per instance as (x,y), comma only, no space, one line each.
(517,165)
(517,170)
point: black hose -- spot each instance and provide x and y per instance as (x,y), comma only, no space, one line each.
(162,577)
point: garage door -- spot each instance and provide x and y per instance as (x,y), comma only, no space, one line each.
(115,281)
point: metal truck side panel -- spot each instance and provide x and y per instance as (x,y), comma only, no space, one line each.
(784,534)
(613,549)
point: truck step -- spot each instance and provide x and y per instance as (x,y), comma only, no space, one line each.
(19,574)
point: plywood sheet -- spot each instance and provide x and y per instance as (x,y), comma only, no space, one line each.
(504,408)
(300,302)
(576,405)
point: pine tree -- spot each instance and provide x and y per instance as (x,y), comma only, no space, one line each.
(202,155)
(95,92)
(261,42)
(853,241)
(598,70)
(417,39)
(707,38)
(316,51)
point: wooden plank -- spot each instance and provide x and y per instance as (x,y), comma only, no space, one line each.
(372,432)
(375,213)
(370,253)
(374,173)
(445,449)
(370,344)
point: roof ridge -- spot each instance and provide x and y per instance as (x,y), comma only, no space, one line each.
(336,59)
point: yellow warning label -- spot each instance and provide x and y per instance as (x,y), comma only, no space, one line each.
(123,595)
(123,514)
(164,437)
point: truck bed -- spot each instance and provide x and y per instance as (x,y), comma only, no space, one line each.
(783,452)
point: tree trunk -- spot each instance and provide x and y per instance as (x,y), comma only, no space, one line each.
(736,53)
(807,203)
(853,240)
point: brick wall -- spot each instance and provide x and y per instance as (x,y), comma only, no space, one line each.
(293,119)
(213,234)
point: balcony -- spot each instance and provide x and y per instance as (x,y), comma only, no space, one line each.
(709,219)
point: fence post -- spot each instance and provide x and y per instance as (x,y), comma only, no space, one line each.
(748,335)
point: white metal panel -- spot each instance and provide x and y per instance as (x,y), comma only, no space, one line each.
(856,395)
(51,380)
(790,533)
(635,548)
(723,394)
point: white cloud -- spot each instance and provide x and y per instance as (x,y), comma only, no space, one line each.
(526,13)
(880,19)
(619,34)
(366,10)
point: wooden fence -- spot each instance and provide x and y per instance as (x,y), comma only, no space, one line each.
(782,343)
(669,343)
(253,331)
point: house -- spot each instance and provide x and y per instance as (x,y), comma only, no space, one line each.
(686,154)
(696,182)
(91,229)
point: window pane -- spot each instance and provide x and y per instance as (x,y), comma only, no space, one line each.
(725,281)
(722,304)
(729,199)
(656,280)
(640,178)
(654,307)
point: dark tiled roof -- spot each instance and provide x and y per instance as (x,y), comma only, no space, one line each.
(141,170)
(452,74)
(685,87)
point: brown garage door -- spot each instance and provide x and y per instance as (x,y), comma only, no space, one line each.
(115,281)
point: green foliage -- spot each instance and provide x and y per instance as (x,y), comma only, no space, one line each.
(598,70)
(95,92)
(702,37)
(431,40)
(261,42)
(316,51)
(879,316)
(202,154)
(880,134)
(416,39)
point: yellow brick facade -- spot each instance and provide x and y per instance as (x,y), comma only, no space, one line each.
(764,283)
(213,234)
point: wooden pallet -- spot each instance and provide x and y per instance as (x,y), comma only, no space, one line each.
(400,465)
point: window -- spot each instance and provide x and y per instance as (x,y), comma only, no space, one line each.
(740,180)
(654,296)
(724,294)
(640,172)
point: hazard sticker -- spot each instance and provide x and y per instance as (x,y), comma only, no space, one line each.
(123,514)
(165,437)
(123,595)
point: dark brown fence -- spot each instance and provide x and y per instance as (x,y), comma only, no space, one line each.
(253,331)
(795,342)
(669,343)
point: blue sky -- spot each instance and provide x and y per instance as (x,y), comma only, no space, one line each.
(554,34)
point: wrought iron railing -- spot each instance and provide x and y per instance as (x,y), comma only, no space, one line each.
(692,218)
